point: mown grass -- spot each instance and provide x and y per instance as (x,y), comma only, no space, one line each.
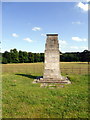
(22,99)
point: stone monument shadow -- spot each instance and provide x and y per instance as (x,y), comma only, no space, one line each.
(28,75)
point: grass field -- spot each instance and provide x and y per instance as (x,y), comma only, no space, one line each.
(22,99)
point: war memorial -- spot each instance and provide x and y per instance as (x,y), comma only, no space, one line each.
(52,73)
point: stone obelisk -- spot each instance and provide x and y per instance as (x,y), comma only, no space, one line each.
(52,72)
(52,59)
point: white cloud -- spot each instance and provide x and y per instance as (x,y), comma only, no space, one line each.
(78,22)
(62,43)
(36,29)
(15,35)
(74,47)
(83,6)
(28,39)
(87,0)
(84,47)
(79,39)
(78,48)
(43,35)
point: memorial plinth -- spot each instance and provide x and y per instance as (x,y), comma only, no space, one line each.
(52,73)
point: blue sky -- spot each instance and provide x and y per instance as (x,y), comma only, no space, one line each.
(25,25)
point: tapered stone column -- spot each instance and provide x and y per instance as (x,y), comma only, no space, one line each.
(52,59)
(52,72)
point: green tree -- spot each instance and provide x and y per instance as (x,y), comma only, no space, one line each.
(21,58)
(41,57)
(7,56)
(25,57)
(14,56)
(30,57)
(85,56)
(36,57)
(4,60)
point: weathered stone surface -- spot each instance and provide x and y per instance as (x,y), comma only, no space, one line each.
(52,58)
(52,72)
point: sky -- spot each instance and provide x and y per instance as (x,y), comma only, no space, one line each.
(25,25)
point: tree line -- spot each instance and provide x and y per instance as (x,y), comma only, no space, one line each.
(76,56)
(15,56)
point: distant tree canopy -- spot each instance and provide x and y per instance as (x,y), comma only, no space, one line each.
(28,57)
(76,56)
(21,57)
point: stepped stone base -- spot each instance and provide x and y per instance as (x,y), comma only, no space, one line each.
(62,80)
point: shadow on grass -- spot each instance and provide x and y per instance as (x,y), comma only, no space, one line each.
(28,75)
